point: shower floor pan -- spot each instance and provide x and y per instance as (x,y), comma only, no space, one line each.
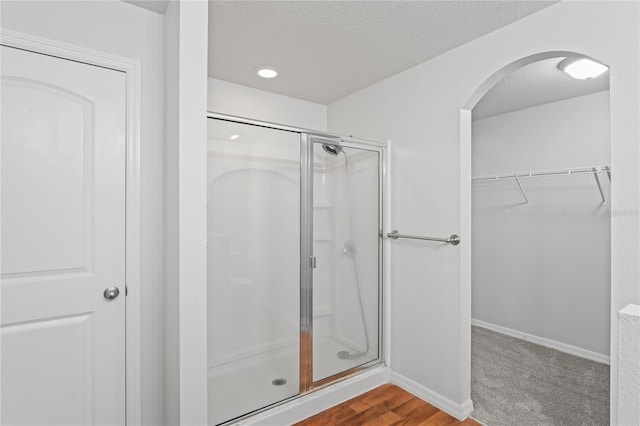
(239,387)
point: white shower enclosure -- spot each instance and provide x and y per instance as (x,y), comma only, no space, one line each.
(294,262)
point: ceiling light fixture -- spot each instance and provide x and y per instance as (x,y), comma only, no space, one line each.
(267,72)
(582,68)
(234,137)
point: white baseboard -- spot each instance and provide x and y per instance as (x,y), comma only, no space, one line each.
(459,411)
(322,399)
(553,344)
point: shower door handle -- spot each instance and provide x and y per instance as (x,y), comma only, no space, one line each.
(313,264)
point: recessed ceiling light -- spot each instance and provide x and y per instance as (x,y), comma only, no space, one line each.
(582,68)
(267,72)
(234,137)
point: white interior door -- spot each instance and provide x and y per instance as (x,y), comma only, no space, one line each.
(63,241)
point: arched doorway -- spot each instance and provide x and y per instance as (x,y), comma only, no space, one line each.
(531,187)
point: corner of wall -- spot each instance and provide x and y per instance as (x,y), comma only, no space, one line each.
(458,410)
(171,271)
(185,212)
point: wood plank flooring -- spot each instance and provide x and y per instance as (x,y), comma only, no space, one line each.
(384,406)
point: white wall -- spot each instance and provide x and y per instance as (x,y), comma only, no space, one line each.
(171,350)
(138,36)
(420,111)
(234,99)
(185,213)
(629,398)
(573,132)
(543,268)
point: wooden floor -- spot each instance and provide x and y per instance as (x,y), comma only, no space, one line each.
(385,406)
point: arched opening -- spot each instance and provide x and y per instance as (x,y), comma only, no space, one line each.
(536,206)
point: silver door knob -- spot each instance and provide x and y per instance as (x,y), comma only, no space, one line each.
(111,293)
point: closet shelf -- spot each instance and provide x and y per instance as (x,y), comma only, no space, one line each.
(575,171)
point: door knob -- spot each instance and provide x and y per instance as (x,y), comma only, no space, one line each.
(111,293)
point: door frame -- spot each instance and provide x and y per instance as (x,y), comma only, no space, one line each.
(465,138)
(131,68)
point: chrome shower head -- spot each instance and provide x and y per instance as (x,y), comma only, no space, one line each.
(331,149)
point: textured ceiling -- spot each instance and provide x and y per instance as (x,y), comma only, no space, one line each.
(538,83)
(326,50)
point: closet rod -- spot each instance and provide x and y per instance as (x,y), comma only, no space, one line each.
(574,171)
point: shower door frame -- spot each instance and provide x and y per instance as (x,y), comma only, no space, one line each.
(310,140)
(307,140)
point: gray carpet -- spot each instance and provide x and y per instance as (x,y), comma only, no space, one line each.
(515,382)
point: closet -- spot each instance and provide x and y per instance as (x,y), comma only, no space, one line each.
(541,223)
(541,249)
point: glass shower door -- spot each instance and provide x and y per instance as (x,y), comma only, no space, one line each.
(293,263)
(346,248)
(253,238)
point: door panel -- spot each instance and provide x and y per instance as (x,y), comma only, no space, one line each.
(46,175)
(346,289)
(37,361)
(253,267)
(63,241)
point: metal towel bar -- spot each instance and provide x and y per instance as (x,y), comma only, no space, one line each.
(453,240)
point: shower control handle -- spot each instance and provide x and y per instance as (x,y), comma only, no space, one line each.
(111,293)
